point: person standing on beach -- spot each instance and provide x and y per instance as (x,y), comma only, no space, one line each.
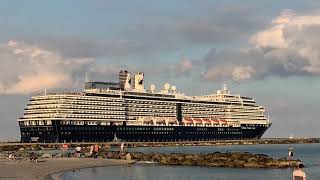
(78,151)
(290,152)
(128,158)
(91,150)
(96,150)
(122,147)
(64,149)
(299,174)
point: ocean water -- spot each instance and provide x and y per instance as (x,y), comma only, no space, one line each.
(308,153)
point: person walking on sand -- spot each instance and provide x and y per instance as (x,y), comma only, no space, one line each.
(64,149)
(96,150)
(299,174)
(122,147)
(128,158)
(91,150)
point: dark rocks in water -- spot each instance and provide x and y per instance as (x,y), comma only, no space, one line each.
(217,159)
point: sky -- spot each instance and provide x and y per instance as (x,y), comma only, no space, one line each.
(268,50)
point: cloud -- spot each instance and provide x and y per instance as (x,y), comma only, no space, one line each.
(150,32)
(288,47)
(183,67)
(242,73)
(229,71)
(27,68)
(221,24)
(35,82)
(81,47)
(293,38)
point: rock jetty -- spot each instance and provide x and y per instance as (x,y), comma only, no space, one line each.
(216,159)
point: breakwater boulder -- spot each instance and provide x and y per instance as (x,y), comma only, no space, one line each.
(216,159)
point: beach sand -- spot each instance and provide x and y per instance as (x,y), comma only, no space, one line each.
(24,169)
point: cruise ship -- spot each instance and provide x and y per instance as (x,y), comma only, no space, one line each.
(126,111)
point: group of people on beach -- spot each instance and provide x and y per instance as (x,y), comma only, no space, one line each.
(94,150)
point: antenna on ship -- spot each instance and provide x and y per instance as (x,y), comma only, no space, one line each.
(225,89)
(45,92)
(225,86)
(86,78)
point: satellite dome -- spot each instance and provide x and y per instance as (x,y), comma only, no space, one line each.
(219,92)
(173,88)
(166,86)
(152,87)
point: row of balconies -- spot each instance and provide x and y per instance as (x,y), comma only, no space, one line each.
(150,114)
(93,116)
(70,105)
(59,110)
(223,115)
(150,106)
(149,102)
(26,115)
(226,109)
(91,103)
(72,102)
(150,110)
(74,116)
(77,97)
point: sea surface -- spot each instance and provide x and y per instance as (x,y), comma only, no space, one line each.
(309,154)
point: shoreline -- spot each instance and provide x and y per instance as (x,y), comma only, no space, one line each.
(24,169)
(15,146)
(55,163)
(57,174)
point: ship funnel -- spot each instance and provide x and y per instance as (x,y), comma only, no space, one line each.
(127,84)
(139,82)
(125,80)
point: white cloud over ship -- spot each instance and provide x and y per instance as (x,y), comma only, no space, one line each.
(27,68)
(289,46)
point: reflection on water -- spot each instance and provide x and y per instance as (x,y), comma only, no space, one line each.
(308,153)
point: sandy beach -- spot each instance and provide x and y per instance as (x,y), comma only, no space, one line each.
(24,169)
